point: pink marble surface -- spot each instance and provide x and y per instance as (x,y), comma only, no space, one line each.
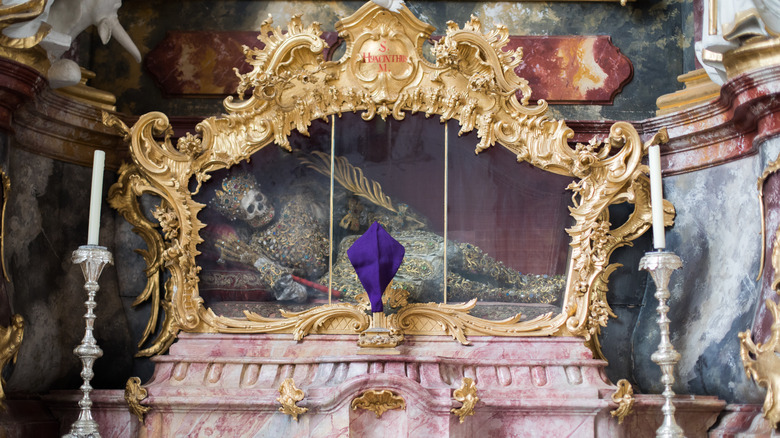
(109,409)
(695,415)
(742,421)
(227,386)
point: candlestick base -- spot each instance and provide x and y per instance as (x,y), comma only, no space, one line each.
(92,258)
(660,265)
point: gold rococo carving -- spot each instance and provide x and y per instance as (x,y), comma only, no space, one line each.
(10,341)
(467,395)
(378,401)
(289,396)
(762,364)
(290,85)
(624,397)
(134,395)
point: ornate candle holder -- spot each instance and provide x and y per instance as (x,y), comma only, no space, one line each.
(660,265)
(92,259)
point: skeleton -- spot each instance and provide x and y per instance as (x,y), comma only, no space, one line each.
(290,241)
(280,246)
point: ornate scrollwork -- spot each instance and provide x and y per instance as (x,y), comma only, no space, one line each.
(472,81)
(134,395)
(378,401)
(289,395)
(10,341)
(624,397)
(467,395)
(762,364)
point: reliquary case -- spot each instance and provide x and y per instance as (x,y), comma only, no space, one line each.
(294,91)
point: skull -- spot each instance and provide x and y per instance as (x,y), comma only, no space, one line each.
(255,209)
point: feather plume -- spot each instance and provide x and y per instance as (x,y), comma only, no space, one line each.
(351,178)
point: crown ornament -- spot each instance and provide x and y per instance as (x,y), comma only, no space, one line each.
(228,200)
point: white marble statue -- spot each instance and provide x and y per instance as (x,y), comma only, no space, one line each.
(736,22)
(67,19)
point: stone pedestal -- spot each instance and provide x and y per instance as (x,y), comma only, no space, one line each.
(228,385)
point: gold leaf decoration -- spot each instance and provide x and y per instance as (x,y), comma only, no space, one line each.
(378,401)
(134,395)
(289,396)
(624,397)
(10,340)
(762,364)
(466,394)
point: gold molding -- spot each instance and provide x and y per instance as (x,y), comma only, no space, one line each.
(289,395)
(472,81)
(699,89)
(10,341)
(24,50)
(134,395)
(758,52)
(6,181)
(378,401)
(467,395)
(763,365)
(624,397)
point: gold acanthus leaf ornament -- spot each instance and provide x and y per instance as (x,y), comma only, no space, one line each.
(134,395)
(624,397)
(467,395)
(289,395)
(762,364)
(378,401)
(10,341)
(290,85)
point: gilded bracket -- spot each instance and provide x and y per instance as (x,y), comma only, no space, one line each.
(466,394)
(10,341)
(763,365)
(378,401)
(289,395)
(134,395)
(624,397)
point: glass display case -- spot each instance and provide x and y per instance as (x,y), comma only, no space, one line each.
(247,237)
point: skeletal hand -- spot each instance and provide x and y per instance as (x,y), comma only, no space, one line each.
(233,249)
(286,289)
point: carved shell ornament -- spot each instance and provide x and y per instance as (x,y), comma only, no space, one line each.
(472,82)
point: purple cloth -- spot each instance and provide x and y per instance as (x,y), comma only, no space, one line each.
(376,257)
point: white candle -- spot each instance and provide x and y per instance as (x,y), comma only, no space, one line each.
(96,197)
(657,197)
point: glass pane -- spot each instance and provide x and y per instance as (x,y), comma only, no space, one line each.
(506,226)
(266,236)
(399,167)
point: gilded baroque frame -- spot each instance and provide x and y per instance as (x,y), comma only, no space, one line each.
(473,81)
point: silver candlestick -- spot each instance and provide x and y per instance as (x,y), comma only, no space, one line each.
(660,265)
(92,259)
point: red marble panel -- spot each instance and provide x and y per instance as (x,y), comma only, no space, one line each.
(560,69)
(201,63)
(18,84)
(572,69)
